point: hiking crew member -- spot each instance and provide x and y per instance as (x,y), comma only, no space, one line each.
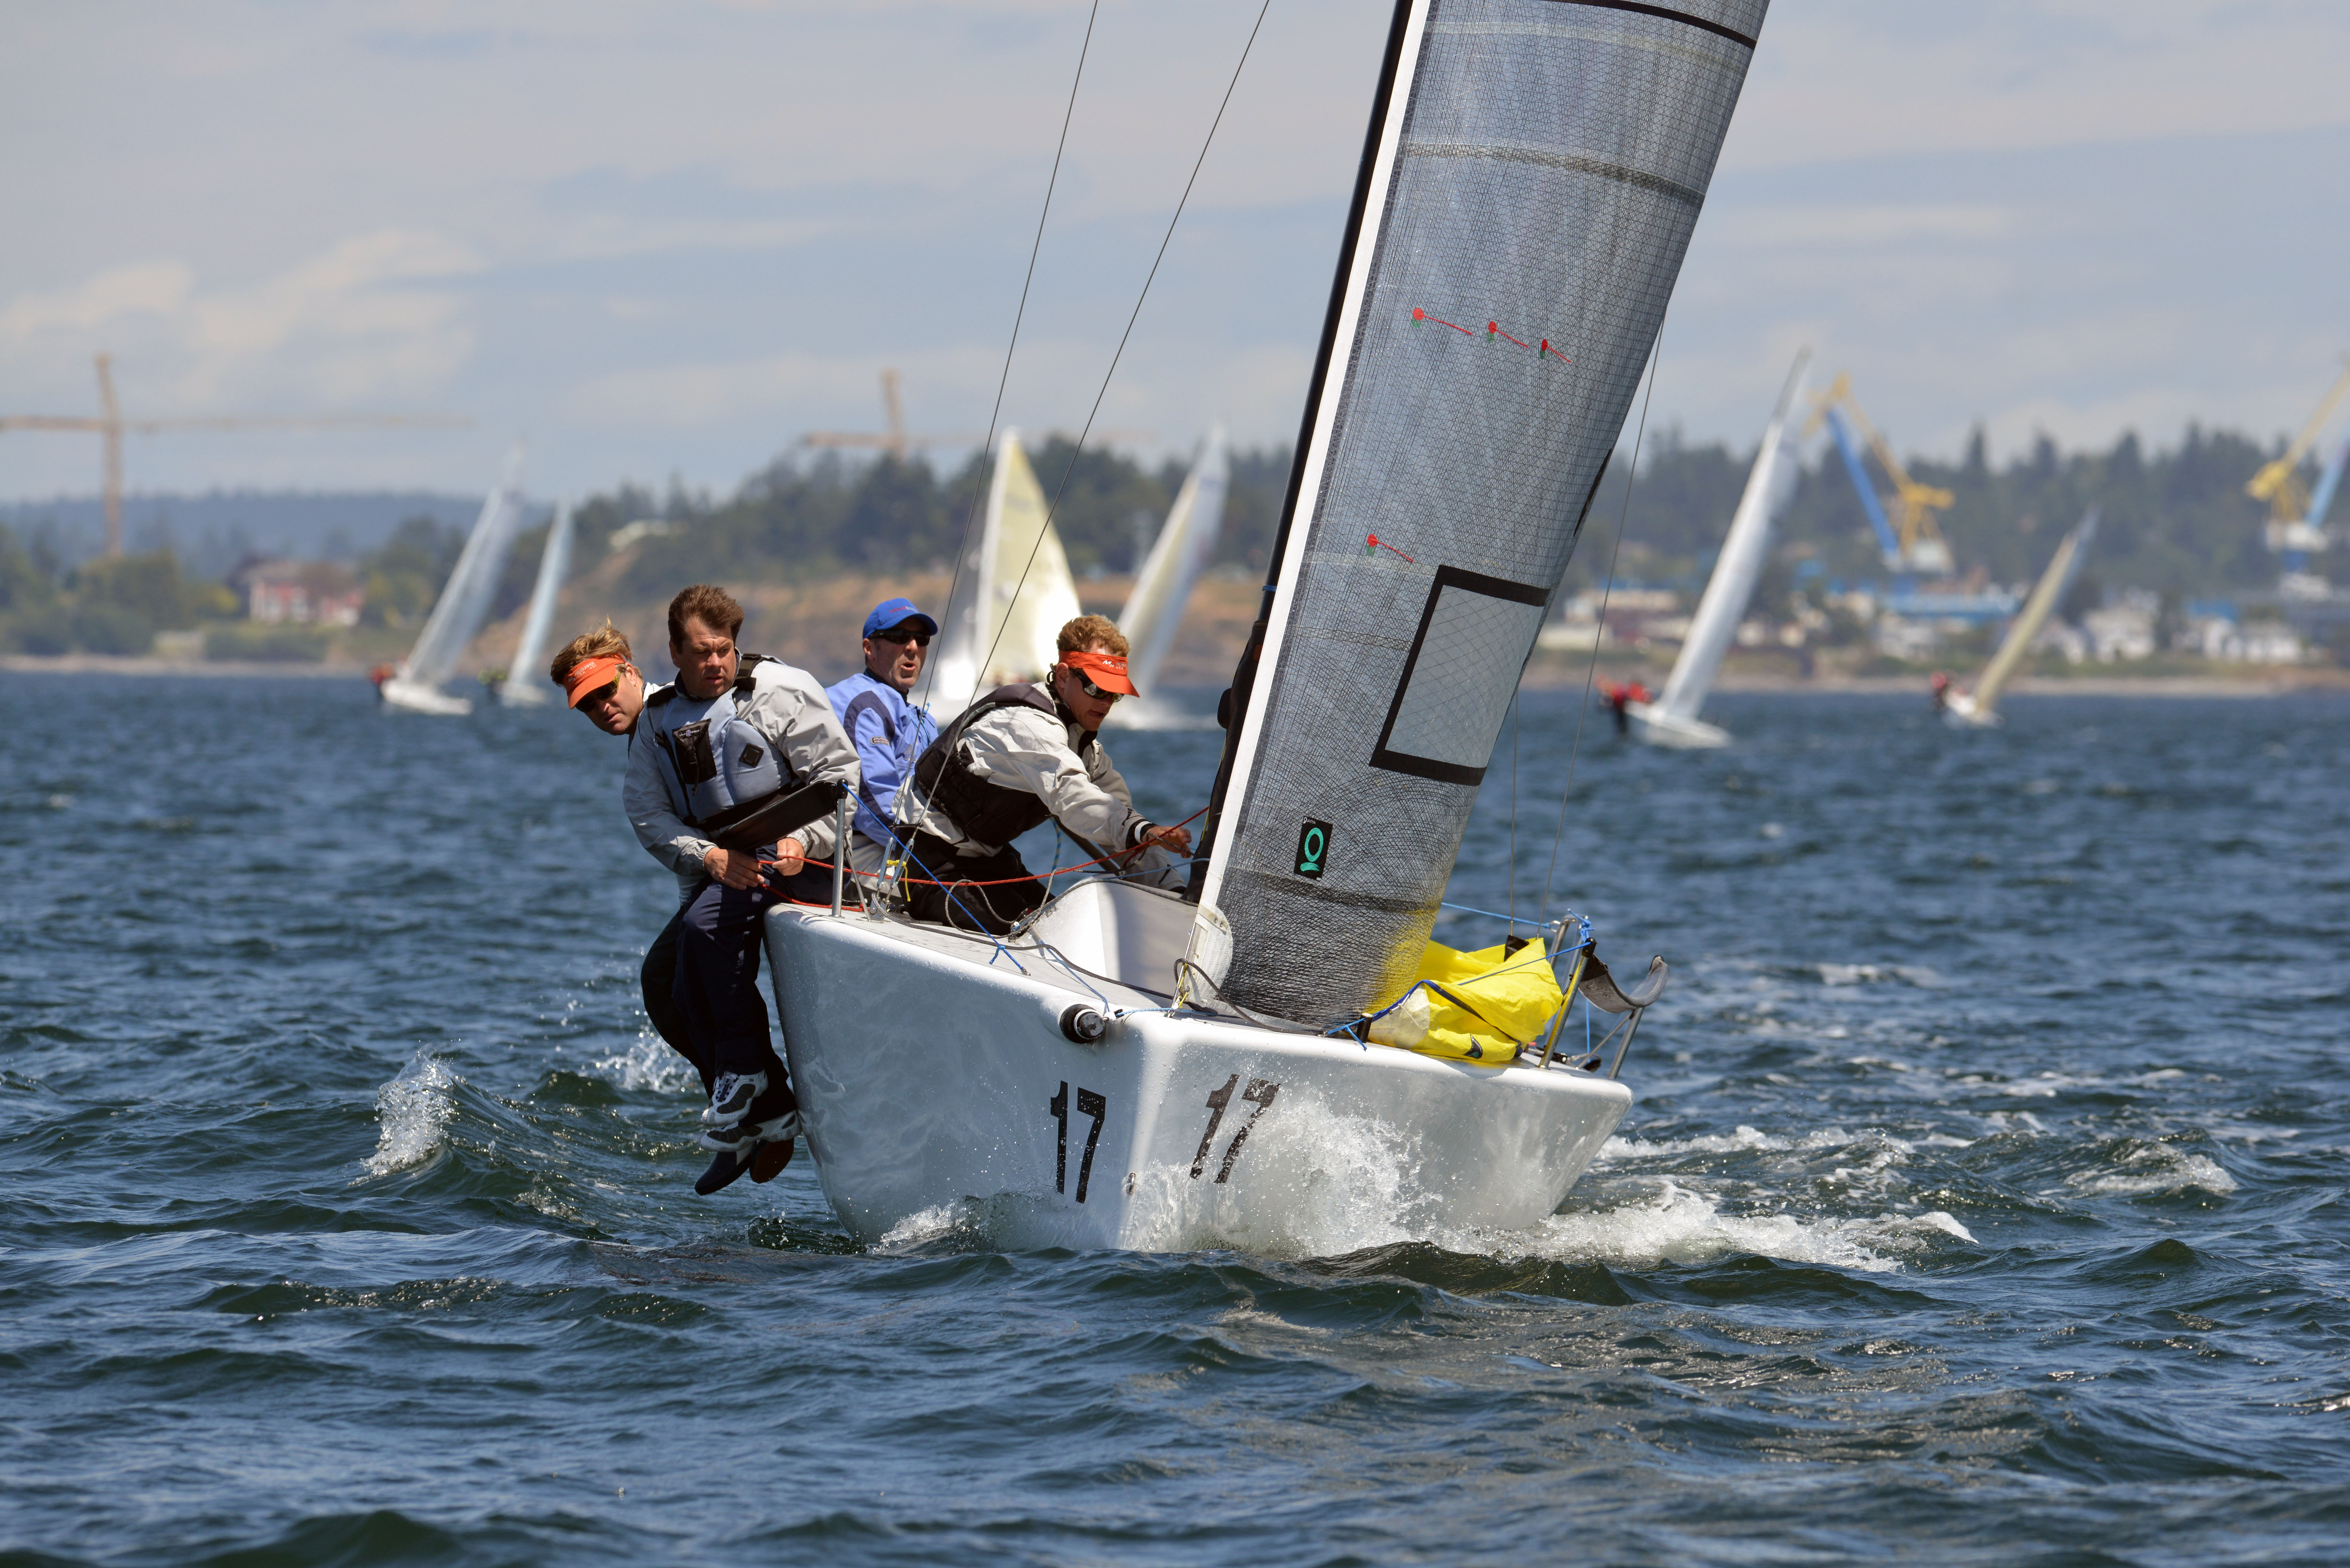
(889,732)
(598,678)
(733,729)
(1018,755)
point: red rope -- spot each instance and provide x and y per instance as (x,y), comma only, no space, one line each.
(1000,881)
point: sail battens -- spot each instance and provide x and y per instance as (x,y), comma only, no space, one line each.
(1572,162)
(1703,54)
(1666,13)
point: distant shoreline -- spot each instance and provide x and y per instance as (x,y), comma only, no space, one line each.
(2278,683)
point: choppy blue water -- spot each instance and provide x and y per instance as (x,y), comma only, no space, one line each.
(1983,1202)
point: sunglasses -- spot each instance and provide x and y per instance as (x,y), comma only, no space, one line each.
(602,694)
(918,638)
(1089,689)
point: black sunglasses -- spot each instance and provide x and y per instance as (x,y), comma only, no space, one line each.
(1091,690)
(918,638)
(602,694)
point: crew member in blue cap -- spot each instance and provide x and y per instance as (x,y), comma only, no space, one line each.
(888,730)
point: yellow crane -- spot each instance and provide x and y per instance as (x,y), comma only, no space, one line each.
(1912,540)
(2291,528)
(110,425)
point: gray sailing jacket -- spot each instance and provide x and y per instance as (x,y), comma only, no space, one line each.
(786,706)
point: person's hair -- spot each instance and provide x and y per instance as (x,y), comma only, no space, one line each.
(605,642)
(1082,633)
(713,606)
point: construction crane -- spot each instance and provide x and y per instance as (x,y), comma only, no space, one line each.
(2296,526)
(898,444)
(110,426)
(1912,542)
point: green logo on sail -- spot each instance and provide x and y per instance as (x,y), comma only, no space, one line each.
(1313,846)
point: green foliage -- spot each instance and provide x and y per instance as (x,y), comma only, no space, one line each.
(99,629)
(277,643)
(48,630)
(151,588)
(795,520)
(23,586)
(402,579)
(2178,521)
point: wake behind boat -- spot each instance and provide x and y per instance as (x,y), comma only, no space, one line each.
(1139,1069)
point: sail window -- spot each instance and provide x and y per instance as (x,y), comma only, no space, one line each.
(1474,635)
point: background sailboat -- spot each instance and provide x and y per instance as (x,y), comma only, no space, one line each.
(1154,611)
(1978,708)
(1013,596)
(523,685)
(1672,719)
(463,604)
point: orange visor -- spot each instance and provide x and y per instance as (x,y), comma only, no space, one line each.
(592,675)
(1107,670)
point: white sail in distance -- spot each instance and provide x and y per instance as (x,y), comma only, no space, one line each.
(1154,610)
(1013,596)
(1672,719)
(522,686)
(1532,174)
(1980,707)
(464,602)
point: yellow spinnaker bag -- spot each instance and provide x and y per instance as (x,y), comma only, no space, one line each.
(1475,1007)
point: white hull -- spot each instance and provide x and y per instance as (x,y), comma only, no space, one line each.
(1659,728)
(938,1091)
(415,697)
(1960,713)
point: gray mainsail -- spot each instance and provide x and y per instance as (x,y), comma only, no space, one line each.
(1534,172)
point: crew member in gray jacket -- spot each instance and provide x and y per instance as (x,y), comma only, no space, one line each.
(734,729)
(1018,755)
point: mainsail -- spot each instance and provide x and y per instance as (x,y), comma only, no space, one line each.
(1980,706)
(1013,596)
(1672,718)
(464,602)
(1163,587)
(1534,172)
(522,685)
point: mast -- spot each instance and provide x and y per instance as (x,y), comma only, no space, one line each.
(1532,174)
(1769,484)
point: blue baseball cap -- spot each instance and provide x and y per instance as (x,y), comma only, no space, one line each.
(894,612)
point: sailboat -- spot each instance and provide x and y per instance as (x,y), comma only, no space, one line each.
(522,688)
(1012,596)
(1978,708)
(414,686)
(1153,1070)
(1672,719)
(1154,610)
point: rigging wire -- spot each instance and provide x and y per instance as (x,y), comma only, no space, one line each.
(979,676)
(1036,246)
(1656,358)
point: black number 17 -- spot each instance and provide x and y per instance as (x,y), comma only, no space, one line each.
(1089,1104)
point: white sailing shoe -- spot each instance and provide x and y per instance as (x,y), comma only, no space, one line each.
(730,1100)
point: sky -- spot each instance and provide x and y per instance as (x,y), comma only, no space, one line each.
(667,240)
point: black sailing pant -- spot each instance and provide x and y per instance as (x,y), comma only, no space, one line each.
(995,909)
(700,982)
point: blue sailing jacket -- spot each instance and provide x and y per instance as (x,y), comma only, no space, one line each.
(889,732)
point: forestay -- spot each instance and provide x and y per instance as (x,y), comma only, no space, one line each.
(1534,172)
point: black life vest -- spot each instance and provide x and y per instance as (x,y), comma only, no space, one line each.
(985,811)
